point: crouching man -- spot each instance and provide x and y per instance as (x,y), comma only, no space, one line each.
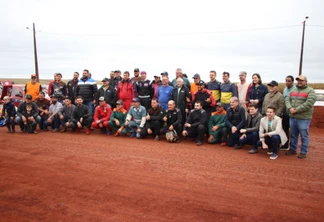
(217,126)
(101,116)
(138,114)
(81,116)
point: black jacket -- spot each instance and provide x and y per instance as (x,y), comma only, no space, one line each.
(22,108)
(80,111)
(180,98)
(9,108)
(109,94)
(174,117)
(144,89)
(196,117)
(87,89)
(235,117)
(71,89)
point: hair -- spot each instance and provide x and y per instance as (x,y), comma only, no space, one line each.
(226,73)
(85,70)
(58,74)
(243,73)
(180,79)
(235,99)
(272,107)
(259,77)
(253,105)
(29,106)
(198,101)
(172,101)
(213,71)
(77,73)
(6,98)
(42,93)
(179,69)
(291,77)
(155,99)
(184,75)
(79,97)
(126,72)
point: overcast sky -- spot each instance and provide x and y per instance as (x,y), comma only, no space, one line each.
(155,36)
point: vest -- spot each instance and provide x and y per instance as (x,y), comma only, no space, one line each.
(33,90)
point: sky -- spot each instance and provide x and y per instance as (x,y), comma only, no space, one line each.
(255,36)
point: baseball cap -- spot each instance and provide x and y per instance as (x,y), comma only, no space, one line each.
(101,98)
(201,82)
(273,83)
(143,73)
(219,104)
(28,96)
(105,80)
(33,75)
(301,77)
(156,76)
(196,76)
(164,73)
(136,100)
(119,102)
(136,70)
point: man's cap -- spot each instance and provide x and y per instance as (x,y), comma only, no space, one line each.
(117,71)
(28,96)
(101,98)
(136,100)
(55,96)
(105,80)
(136,70)
(220,104)
(301,77)
(33,75)
(201,83)
(164,73)
(196,76)
(156,76)
(143,73)
(119,102)
(273,83)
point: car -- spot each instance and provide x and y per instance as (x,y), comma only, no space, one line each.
(319,97)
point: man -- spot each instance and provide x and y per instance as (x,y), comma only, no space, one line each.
(172,119)
(111,80)
(154,120)
(300,103)
(59,88)
(136,118)
(87,89)
(72,85)
(164,93)
(53,113)
(66,114)
(235,120)
(81,116)
(285,119)
(179,75)
(144,90)
(155,86)
(101,117)
(242,89)
(217,129)
(165,74)
(250,134)
(136,77)
(49,87)
(274,98)
(117,79)
(33,88)
(181,96)
(108,92)
(117,119)
(227,90)
(42,105)
(195,124)
(20,119)
(125,91)
(214,86)
(194,85)
(271,133)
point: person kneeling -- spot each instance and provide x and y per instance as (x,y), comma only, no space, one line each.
(81,116)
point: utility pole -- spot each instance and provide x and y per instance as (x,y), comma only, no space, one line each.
(302,48)
(35,53)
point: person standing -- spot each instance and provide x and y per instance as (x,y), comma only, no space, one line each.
(227,90)
(214,86)
(72,85)
(59,88)
(194,85)
(164,93)
(117,79)
(125,91)
(33,88)
(242,89)
(155,85)
(108,92)
(179,75)
(144,90)
(257,91)
(300,103)
(274,98)
(181,96)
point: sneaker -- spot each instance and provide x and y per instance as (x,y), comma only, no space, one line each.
(253,151)
(291,152)
(9,130)
(35,132)
(117,133)
(198,143)
(273,156)
(102,131)
(63,130)
(237,146)
(269,152)
(223,144)
(13,130)
(301,156)
(138,136)
(157,138)
(133,134)
(87,131)
(55,130)
(284,148)
(109,132)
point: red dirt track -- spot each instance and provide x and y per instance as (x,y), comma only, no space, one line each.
(75,177)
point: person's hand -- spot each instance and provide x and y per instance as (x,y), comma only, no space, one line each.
(243,131)
(262,135)
(243,136)
(149,131)
(165,118)
(81,120)
(49,120)
(256,101)
(208,100)
(214,128)
(61,117)
(185,133)
(79,125)
(31,119)
(187,110)
(100,125)
(23,119)
(126,123)
(148,117)
(171,127)
(98,121)
(94,102)
(46,112)
(234,129)
(67,124)
(12,118)
(138,130)
(187,125)
(188,100)
(117,122)
(119,130)
(293,111)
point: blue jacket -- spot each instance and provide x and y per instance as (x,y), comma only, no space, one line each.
(87,89)
(164,95)
(9,108)
(259,93)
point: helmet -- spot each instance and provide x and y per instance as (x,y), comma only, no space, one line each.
(171,136)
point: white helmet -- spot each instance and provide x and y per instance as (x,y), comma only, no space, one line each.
(171,136)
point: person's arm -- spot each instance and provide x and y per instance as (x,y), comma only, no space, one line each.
(278,127)
(308,104)
(179,118)
(281,105)
(96,114)
(159,116)
(202,119)
(25,90)
(88,113)
(234,90)
(287,102)
(114,96)
(143,120)
(228,122)
(222,121)
(64,90)
(262,129)
(74,116)
(242,114)
(35,109)
(256,127)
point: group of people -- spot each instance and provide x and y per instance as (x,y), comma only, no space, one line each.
(224,112)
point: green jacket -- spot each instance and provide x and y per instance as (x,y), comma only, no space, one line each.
(302,99)
(217,119)
(120,115)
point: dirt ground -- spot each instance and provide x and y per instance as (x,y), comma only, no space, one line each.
(75,177)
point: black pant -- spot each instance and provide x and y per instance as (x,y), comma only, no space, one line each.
(197,132)
(233,138)
(286,127)
(86,122)
(146,102)
(154,125)
(177,128)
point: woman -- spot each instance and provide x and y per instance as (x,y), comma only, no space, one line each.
(257,92)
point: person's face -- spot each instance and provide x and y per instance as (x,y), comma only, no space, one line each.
(196,80)
(242,77)
(136,73)
(143,76)
(178,74)
(126,76)
(289,82)
(212,76)
(253,111)
(58,78)
(33,79)
(6,101)
(54,100)
(118,74)
(171,106)
(225,78)
(119,107)
(198,106)
(179,83)
(270,113)
(105,83)
(136,104)
(41,96)
(272,88)
(102,103)
(219,108)
(165,81)
(154,104)
(28,108)
(79,101)
(233,104)
(255,79)
(75,76)
(28,101)
(157,79)
(112,75)
(201,87)
(67,102)
(301,83)
(85,74)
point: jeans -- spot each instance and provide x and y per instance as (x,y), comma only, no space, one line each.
(21,124)
(252,139)
(233,138)
(90,105)
(132,127)
(10,122)
(273,143)
(285,127)
(299,127)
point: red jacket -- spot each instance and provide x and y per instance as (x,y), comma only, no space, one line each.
(125,90)
(102,113)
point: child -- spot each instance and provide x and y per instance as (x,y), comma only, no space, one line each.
(29,125)
(10,109)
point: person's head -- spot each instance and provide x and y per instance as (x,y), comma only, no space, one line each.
(198,105)
(164,74)
(29,107)
(41,95)
(178,73)
(154,103)
(184,75)
(85,74)
(201,85)
(58,77)
(171,105)
(136,102)
(226,76)
(273,86)
(179,82)
(143,75)
(126,75)
(54,99)
(119,104)
(136,72)
(33,78)
(219,107)
(78,100)
(157,78)
(75,76)
(102,101)
(242,76)
(253,109)
(165,80)
(28,98)
(6,99)
(301,81)
(271,111)
(112,74)
(256,79)
(67,101)
(234,102)
(212,75)
(196,78)
(118,74)
(289,81)
(105,82)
